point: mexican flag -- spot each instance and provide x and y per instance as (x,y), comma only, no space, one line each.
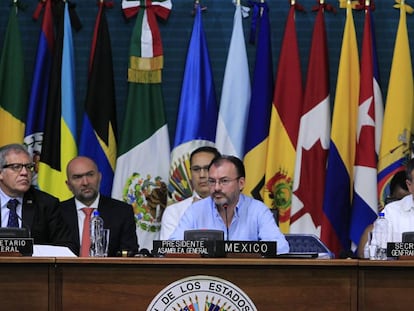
(142,165)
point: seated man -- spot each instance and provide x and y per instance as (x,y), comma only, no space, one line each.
(240,217)
(200,159)
(83,179)
(399,213)
(398,190)
(32,209)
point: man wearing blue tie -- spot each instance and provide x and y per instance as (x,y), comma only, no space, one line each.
(24,206)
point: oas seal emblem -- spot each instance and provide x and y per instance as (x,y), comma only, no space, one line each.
(199,293)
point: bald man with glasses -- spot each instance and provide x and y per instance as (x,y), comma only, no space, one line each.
(24,206)
(240,217)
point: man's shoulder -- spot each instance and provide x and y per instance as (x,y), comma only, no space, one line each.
(404,204)
(108,202)
(36,195)
(68,203)
(185,202)
(249,201)
(177,209)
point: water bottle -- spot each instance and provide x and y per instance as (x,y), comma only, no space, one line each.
(97,225)
(380,235)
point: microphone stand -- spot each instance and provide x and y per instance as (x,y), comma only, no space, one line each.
(225,206)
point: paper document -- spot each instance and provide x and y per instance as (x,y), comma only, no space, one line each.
(51,251)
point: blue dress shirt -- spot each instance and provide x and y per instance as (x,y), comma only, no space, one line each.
(252,221)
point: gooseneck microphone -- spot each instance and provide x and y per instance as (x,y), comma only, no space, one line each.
(24,225)
(225,206)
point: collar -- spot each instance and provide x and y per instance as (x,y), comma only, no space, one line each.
(4,198)
(80,205)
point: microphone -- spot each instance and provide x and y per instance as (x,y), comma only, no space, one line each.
(24,225)
(225,206)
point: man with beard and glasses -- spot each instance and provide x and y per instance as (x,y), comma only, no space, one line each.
(83,180)
(240,217)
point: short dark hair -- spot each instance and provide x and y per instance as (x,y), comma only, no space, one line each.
(241,172)
(398,180)
(409,169)
(207,149)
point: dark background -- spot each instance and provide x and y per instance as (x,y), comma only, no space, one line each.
(218,22)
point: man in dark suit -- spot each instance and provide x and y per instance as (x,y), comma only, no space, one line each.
(83,180)
(34,209)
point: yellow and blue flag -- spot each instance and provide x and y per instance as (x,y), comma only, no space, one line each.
(258,122)
(339,176)
(398,116)
(59,141)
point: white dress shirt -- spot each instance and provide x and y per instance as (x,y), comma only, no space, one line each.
(400,216)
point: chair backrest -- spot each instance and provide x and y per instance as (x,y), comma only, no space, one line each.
(307,243)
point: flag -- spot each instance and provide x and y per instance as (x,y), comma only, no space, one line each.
(99,129)
(260,105)
(35,122)
(339,176)
(234,105)
(143,155)
(284,126)
(59,140)
(313,141)
(398,116)
(197,112)
(13,94)
(370,115)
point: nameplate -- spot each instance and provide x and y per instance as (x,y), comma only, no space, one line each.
(23,246)
(397,249)
(185,247)
(214,248)
(262,248)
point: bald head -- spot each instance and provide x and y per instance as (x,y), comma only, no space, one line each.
(83,179)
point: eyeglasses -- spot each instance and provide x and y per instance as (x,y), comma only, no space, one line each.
(197,169)
(17,167)
(222,181)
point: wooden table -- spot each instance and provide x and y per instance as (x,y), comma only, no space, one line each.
(272,284)
(27,283)
(386,285)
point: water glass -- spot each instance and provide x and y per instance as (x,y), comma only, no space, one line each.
(105,242)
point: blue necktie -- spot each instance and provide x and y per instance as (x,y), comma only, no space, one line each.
(13,218)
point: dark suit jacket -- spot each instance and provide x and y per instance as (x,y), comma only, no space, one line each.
(118,216)
(41,214)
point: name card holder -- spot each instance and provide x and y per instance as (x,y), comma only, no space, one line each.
(187,248)
(16,246)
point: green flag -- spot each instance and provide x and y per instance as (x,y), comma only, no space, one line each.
(13,92)
(142,166)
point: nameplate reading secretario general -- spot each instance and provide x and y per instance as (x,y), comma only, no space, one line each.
(214,248)
(23,246)
(398,249)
